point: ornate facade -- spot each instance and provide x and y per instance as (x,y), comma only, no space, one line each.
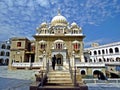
(60,39)
(57,38)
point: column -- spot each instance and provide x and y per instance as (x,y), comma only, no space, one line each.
(73,59)
(44,60)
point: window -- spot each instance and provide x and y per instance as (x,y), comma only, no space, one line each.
(99,52)
(59,45)
(3,46)
(7,54)
(8,47)
(2,53)
(95,52)
(100,60)
(76,45)
(18,44)
(83,72)
(116,50)
(103,52)
(43,45)
(111,50)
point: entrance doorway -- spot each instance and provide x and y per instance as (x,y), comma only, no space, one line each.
(59,58)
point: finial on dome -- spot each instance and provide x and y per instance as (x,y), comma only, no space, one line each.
(59,11)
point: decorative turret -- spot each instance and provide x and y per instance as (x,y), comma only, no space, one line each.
(75,29)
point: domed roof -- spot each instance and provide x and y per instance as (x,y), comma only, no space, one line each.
(43,24)
(59,20)
(73,24)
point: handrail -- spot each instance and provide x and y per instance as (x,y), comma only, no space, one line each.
(71,72)
(45,75)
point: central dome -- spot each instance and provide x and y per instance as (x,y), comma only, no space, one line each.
(59,20)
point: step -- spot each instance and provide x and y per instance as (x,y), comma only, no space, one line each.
(59,72)
(52,76)
(60,81)
(49,79)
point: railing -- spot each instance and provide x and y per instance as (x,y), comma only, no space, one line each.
(14,64)
(26,64)
(73,76)
(44,76)
(36,64)
(101,81)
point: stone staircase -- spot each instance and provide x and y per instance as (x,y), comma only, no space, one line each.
(59,78)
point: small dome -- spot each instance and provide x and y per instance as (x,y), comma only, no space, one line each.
(73,24)
(43,24)
(59,20)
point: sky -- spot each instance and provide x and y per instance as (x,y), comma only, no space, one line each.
(99,19)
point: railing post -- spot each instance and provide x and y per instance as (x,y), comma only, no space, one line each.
(42,79)
(74,68)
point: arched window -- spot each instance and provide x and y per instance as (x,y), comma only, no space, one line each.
(7,54)
(99,52)
(116,50)
(43,45)
(95,52)
(59,44)
(103,52)
(83,72)
(100,60)
(111,50)
(8,47)
(2,53)
(3,46)
(76,45)
(108,60)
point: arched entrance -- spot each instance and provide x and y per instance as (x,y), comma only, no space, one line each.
(59,58)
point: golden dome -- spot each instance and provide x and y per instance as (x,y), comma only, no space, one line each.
(59,20)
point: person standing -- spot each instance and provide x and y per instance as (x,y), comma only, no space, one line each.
(53,62)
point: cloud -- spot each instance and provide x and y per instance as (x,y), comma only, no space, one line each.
(21,17)
(43,3)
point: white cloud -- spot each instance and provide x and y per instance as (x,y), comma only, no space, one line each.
(43,3)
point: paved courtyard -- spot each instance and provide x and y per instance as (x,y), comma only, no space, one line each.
(21,80)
